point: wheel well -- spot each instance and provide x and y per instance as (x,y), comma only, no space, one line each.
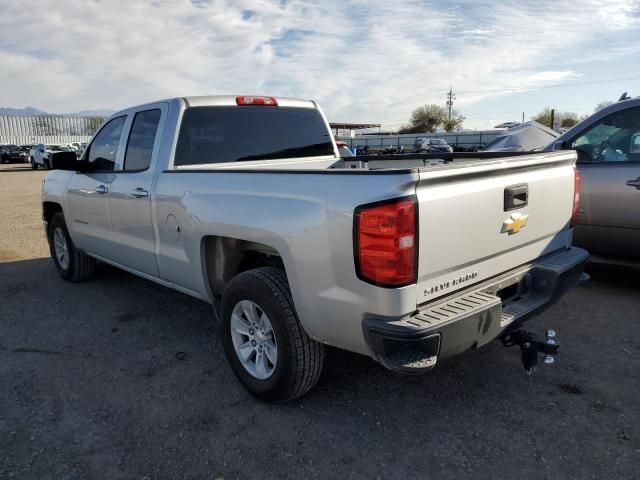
(49,209)
(225,257)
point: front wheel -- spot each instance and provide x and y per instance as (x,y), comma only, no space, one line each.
(269,351)
(72,264)
(34,165)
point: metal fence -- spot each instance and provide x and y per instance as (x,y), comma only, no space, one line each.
(455,139)
(48,129)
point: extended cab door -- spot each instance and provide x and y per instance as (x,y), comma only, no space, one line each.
(609,163)
(88,213)
(131,192)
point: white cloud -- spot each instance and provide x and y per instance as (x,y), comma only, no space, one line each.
(364,60)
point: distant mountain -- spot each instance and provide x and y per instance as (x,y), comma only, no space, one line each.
(91,113)
(21,111)
(35,111)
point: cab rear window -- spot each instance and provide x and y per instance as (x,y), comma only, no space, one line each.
(235,134)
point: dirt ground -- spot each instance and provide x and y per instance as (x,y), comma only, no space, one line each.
(119,378)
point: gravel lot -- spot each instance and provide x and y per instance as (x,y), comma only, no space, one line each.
(120,378)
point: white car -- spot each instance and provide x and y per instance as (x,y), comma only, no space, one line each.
(40,155)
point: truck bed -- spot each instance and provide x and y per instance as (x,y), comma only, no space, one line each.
(400,163)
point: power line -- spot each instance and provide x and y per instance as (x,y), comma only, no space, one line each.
(520,88)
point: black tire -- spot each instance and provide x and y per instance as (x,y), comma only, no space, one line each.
(47,164)
(80,266)
(299,358)
(34,165)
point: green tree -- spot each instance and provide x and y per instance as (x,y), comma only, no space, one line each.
(602,104)
(568,119)
(544,117)
(453,123)
(426,119)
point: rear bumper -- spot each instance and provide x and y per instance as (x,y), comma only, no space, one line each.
(472,317)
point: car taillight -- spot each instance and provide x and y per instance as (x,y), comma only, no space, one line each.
(268,101)
(386,242)
(576,196)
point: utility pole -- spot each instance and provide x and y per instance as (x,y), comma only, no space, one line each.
(450,98)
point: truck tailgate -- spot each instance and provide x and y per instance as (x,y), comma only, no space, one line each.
(470,230)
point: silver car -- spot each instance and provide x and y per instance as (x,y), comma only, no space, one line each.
(608,147)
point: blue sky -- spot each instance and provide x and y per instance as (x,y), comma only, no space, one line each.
(363,60)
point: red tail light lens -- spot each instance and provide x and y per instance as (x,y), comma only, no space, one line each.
(386,243)
(245,100)
(576,197)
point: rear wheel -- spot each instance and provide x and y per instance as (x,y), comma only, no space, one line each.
(263,339)
(72,264)
(34,165)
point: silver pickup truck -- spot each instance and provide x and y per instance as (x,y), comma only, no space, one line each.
(244,202)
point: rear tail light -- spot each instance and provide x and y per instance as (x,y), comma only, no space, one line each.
(386,242)
(576,196)
(245,100)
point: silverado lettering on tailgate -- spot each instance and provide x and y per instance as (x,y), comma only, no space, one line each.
(450,283)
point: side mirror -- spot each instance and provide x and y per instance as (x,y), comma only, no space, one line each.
(561,145)
(66,161)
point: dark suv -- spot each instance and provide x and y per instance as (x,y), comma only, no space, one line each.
(13,153)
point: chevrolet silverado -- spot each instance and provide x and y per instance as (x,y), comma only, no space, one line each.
(245,203)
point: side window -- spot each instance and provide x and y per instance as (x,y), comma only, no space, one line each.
(612,139)
(141,140)
(104,148)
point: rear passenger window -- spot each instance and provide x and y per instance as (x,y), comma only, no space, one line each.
(141,140)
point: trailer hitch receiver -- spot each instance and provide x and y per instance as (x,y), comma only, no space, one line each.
(531,344)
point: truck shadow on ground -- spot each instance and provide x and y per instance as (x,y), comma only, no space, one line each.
(119,361)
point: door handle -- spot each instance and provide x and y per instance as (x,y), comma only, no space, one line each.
(140,193)
(101,189)
(634,183)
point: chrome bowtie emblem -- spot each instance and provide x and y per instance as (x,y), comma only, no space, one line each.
(514,223)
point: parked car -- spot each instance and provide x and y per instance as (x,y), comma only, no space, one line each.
(608,148)
(525,137)
(391,150)
(40,154)
(435,145)
(507,125)
(298,248)
(13,153)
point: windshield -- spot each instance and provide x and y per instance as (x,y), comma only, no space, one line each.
(55,148)
(437,141)
(9,147)
(233,134)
